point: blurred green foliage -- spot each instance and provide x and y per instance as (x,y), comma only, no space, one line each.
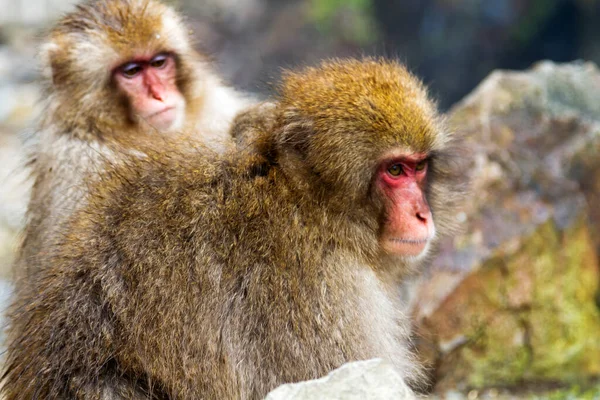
(352,20)
(573,393)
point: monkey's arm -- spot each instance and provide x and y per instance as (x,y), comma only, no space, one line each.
(62,343)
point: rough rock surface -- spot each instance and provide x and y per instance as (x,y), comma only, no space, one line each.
(361,380)
(512,300)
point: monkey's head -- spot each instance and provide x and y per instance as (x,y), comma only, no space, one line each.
(120,63)
(369,142)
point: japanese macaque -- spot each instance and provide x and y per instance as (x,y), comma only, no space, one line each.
(221,276)
(118,73)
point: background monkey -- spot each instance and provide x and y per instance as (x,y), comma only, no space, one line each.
(223,276)
(117,73)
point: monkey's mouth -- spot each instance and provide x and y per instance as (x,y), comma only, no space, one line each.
(164,120)
(410,241)
(407,247)
(164,110)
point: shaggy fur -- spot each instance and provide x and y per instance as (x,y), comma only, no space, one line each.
(86,120)
(223,276)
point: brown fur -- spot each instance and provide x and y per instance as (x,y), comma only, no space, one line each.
(85,47)
(86,120)
(223,276)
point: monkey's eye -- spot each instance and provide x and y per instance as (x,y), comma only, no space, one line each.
(159,61)
(395,170)
(131,69)
(421,165)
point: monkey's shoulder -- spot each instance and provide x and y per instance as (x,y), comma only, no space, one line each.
(180,184)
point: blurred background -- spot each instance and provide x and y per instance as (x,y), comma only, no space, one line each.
(451,44)
(511,306)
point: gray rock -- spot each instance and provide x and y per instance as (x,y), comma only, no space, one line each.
(511,300)
(361,380)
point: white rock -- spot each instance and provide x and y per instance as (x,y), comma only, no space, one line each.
(361,380)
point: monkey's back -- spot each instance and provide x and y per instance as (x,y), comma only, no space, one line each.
(188,275)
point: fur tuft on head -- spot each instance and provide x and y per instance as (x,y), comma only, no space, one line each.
(101,34)
(376,104)
(88,44)
(338,119)
(382,96)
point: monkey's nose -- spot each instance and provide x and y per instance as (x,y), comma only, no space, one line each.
(157,94)
(423,217)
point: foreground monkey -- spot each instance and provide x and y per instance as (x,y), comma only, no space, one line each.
(223,276)
(118,73)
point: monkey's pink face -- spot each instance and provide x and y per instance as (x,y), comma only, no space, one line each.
(409,227)
(150,84)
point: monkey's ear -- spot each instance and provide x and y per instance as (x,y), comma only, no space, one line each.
(46,55)
(295,132)
(51,67)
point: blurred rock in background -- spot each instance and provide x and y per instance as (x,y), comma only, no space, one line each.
(512,301)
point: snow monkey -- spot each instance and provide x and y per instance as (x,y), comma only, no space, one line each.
(118,73)
(222,276)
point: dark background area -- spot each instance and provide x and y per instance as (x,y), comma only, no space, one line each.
(451,44)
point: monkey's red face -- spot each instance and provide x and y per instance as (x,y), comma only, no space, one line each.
(150,85)
(408,227)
